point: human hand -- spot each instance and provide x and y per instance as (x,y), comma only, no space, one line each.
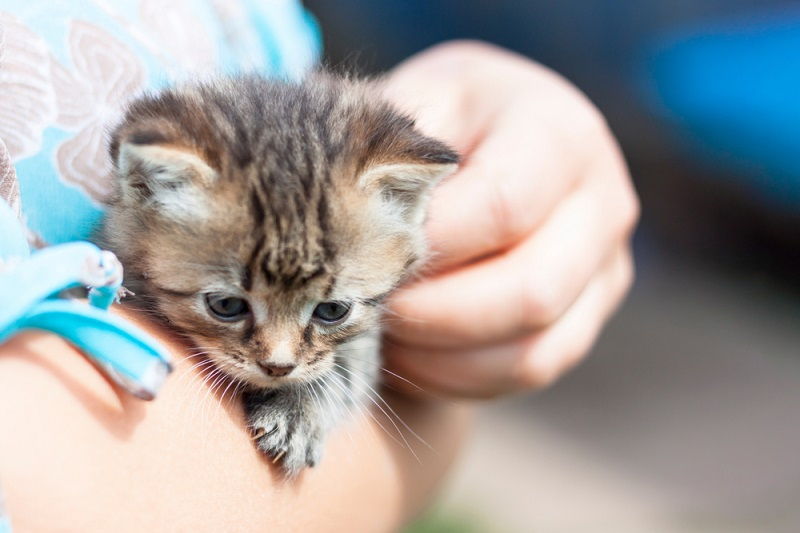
(530,239)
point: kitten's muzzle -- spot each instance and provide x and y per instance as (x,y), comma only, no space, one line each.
(276,371)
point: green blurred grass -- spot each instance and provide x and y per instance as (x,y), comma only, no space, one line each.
(450,521)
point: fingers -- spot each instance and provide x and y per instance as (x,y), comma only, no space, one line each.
(477,373)
(526,134)
(546,356)
(530,238)
(527,288)
(524,364)
(504,190)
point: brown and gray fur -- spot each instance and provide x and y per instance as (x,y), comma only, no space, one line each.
(284,195)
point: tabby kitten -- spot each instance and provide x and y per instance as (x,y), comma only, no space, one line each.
(266,221)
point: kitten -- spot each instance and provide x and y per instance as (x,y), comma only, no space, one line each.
(266,221)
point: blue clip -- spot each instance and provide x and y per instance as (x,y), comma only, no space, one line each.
(123,352)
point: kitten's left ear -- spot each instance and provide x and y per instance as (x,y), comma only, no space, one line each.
(407,184)
(153,167)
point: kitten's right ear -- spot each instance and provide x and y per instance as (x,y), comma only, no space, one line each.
(153,169)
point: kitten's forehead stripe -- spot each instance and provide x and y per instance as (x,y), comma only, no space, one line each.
(241,147)
(252,263)
(247,278)
(329,288)
(325,240)
(268,272)
(307,177)
(257,208)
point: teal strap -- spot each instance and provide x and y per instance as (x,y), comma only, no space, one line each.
(54,269)
(28,282)
(121,350)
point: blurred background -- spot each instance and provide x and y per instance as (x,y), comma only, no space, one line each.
(687,415)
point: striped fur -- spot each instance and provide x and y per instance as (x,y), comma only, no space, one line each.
(284,195)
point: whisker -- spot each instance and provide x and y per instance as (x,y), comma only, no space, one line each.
(328,392)
(181,375)
(393,315)
(362,410)
(377,395)
(231,381)
(212,390)
(205,380)
(313,395)
(386,414)
(198,364)
(197,371)
(200,367)
(195,355)
(417,387)
(205,376)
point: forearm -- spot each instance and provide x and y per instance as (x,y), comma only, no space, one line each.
(77,454)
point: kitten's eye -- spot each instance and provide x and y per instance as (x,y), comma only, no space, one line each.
(227,308)
(331,313)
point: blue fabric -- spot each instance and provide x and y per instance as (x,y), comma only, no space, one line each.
(126,354)
(73,45)
(5,523)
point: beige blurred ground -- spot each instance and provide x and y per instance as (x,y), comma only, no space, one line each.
(686,418)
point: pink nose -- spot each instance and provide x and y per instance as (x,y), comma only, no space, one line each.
(276,371)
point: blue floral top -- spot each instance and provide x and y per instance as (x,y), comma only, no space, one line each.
(67,67)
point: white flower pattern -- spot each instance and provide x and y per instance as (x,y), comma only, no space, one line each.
(9,186)
(106,73)
(68,68)
(28,103)
(189,50)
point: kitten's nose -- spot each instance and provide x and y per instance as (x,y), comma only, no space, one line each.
(276,371)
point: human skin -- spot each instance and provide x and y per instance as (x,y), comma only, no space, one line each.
(532,255)
(530,239)
(77,454)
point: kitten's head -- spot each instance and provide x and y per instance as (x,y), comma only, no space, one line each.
(266,221)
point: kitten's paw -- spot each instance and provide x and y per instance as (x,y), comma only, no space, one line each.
(285,432)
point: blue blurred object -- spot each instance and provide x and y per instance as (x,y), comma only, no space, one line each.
(734,90)
(29,283)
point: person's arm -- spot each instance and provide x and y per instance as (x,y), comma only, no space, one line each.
(532,255)
(78,455)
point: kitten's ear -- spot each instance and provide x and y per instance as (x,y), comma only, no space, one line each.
(407,185)
(153,168)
